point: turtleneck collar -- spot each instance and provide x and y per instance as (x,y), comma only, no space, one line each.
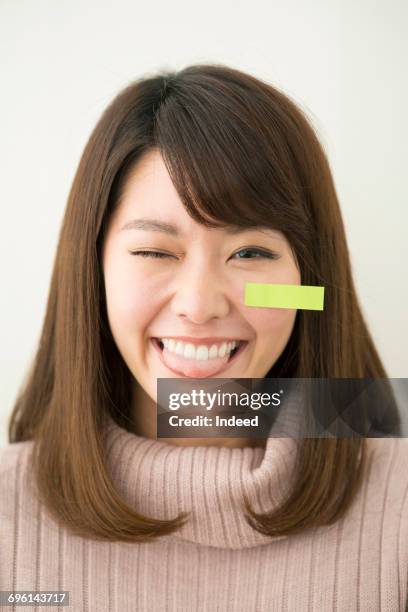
(160,480)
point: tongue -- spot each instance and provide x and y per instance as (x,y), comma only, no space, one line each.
(194,367)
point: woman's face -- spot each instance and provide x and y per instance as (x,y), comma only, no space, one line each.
(196,291)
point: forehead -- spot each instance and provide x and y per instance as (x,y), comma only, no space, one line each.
(149,202)
(149,173)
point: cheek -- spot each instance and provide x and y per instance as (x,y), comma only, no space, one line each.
(272,322)
(129,300)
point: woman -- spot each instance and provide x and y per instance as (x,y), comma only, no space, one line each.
(192,184)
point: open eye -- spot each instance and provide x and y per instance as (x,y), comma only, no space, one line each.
(260,252)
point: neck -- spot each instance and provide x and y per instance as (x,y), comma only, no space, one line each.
(144,419)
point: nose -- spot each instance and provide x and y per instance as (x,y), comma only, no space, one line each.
(200,296)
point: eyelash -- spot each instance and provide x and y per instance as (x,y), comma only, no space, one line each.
(158,255)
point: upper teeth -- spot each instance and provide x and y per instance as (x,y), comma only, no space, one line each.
(201,352)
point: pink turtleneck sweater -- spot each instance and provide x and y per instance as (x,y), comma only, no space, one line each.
(216,561)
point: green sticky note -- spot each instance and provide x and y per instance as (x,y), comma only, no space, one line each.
(269,295)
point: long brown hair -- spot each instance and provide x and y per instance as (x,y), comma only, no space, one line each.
(238,151)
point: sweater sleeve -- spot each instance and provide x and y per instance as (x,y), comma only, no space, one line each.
(403,530)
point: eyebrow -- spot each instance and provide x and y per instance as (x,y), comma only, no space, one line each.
(154,225)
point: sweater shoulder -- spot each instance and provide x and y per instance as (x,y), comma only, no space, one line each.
(388,477)
(395,449)
(15,482)
(389,457)
(15,456)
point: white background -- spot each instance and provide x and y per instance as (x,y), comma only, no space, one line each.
(62,62)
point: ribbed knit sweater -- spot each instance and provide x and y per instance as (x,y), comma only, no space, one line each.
(216,561)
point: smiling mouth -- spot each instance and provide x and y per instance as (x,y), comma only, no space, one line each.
(241,345)
(232,353)
(197,368)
